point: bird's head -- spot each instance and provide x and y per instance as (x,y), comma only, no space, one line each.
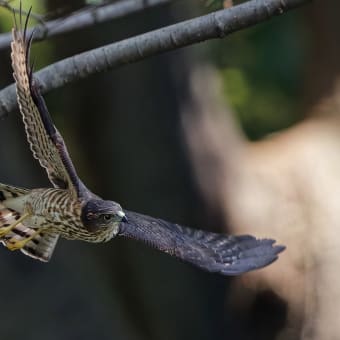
(99,213)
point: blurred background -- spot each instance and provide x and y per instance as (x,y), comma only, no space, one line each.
(228,136)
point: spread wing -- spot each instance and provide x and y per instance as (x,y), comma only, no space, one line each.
(46,143)
(228,255)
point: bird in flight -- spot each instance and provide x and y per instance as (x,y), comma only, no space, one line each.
(32,220)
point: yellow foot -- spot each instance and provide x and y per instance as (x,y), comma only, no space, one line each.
(6,230)
(20,244)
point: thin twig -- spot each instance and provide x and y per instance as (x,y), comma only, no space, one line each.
(215,25)
(85,18)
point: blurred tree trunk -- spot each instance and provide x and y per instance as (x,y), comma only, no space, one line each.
(286,187)
(323,66)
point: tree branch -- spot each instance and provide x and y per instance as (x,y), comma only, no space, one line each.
(215,25)
(85,18)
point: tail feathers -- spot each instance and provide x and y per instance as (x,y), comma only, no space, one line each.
(8,217)
(19,232)
(9,214)
(8,191)
(41,247)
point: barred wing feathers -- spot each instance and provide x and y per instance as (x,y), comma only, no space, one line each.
(228,255)
(45,141)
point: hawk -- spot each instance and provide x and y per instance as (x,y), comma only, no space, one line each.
(32,220)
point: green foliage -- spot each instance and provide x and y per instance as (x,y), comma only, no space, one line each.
(214,4)
(6,20)
(6,15)
(94,2)
(262,72)
(43,50)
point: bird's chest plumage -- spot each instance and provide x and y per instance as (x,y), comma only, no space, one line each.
(58,211)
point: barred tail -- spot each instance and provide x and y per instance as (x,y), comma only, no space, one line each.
(41,247)
(12,200)
(8,191)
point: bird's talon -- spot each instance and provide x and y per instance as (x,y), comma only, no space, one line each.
(14,245)
(6,230)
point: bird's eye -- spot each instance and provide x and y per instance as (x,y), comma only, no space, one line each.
(107,217)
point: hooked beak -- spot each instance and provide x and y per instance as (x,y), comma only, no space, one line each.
(121,214)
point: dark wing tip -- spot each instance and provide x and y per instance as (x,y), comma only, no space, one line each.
(279,248)
(218,253)
(252,254)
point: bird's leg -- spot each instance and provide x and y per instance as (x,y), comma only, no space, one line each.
(20,244)
(6,230)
